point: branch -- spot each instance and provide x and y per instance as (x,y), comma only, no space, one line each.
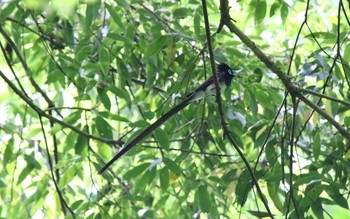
(51,118)
(291,87)
(324,96)
(212,62)
(62,200)
(226,17)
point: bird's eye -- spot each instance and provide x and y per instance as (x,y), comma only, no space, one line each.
(230,72)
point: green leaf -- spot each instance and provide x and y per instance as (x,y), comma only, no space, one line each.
(312,193)
(341,201)
(261,95)
(118,118)
(136,171)
(274,195)
(117,18)
(8,154)
(164,178)
(81,145)
(66,177)
(91,12)
(2,184)
(105,99)
(118,37)
(307,69)
(317,208)
(123,3)
(76,204)
(252,101)
(217,180)
(243,187)
(346,55)
(173,167)
(322,62)
(197,24)
(104,60)
(146,179)
(105,151)
(322,35)
(162,138)
(307,178)
(73,117)
(54,76)
(260,11)
(123,71)
(276,5)
(180,12)
(204,199)
(5,12)
(103,127)
(235,52)
(284,11)
(30,159)
(139,124)
(120,93)
(271,154)
(24,173)
(316,145)
(155,46)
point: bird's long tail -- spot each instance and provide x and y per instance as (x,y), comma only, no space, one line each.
(147,131)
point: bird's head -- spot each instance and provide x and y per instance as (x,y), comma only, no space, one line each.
(222,67)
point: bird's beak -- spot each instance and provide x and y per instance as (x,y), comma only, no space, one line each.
(236,72)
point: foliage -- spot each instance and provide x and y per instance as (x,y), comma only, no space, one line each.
(81,78)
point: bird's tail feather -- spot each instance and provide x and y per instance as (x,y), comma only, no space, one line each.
(147,131)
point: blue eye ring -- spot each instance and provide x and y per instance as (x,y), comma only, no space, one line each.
(230,72)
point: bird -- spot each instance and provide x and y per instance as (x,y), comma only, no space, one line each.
(224,74)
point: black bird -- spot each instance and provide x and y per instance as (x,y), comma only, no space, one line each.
(225,75)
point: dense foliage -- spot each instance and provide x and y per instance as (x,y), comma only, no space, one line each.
(81,78)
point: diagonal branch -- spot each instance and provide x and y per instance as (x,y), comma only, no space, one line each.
(290,86)
(212,62)
(51,118)
(225,16)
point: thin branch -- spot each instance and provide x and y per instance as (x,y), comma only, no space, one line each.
(49,52)
(192,151)
(226,17)
(291,155)
(7,59)
(324,96)
(270,130)
(63,202)
(25,67)
(212,62)
(51,118)
(291,87)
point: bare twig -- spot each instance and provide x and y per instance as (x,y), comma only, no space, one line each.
(224,18)
(63,202)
